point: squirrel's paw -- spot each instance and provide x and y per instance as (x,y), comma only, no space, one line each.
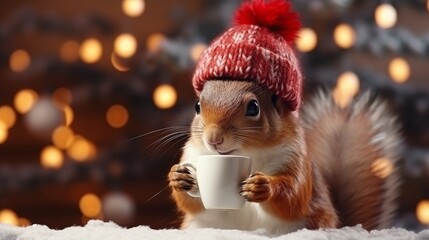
(256,188)
(181,179)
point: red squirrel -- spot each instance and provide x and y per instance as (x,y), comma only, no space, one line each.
(311,166)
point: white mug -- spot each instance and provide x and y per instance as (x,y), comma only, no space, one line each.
(219,180)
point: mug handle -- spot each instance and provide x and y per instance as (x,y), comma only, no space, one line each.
(192,170)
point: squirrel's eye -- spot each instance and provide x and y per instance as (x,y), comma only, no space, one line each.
(197,107)
(252,108)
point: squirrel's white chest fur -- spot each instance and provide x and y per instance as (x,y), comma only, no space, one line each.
(252,216)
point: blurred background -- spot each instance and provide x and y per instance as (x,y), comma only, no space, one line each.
(95,98)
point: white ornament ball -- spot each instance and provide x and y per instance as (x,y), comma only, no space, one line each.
(44,117)
(118,207)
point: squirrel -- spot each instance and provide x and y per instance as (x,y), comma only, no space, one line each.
(313,166)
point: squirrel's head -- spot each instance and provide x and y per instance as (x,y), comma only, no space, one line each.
(234,117)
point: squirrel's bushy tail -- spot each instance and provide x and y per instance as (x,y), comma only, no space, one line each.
(356,148)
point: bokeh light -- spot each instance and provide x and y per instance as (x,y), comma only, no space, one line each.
(347,87)
(117,64)
(382,167)
(117,116)
(344,35)
(51,157)
(196,51)
(385,15)
(307,40)
(81,149)
(7,116)
(62,137)
(422,211)
(399,70)
(133,8)
(90,205)
(68,115)
(24,100)
(4,133)
(62,96)
(165,96)
(125,45)
(91,50)
(69,51)
(19,60)
(154,42)
(7,216)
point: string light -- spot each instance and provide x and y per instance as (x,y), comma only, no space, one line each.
(117,116)
(7,216)
(385,15)
(81,149)
(91,50)
(125,45)
(62,137)
(344,35)
(133,8)
(7,116)
(164,96)
(196,51)
(382,167)
(19,60)
(51,157)
(154,42)
(24,100)
(116,63)
(3,132)
(69,51)
(399,70)
(346,88)
(68,115)
(90,205)
(307,40)
(422,211)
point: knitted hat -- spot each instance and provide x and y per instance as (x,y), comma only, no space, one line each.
(258,48)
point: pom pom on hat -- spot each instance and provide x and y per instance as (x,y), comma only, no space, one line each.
(258,48)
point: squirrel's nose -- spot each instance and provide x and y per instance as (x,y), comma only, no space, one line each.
(214,136)
(215,141)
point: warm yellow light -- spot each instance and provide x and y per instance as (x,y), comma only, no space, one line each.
(68,115)
(69,51)
(91,50)
(196,51)
(3,132)
(422,211)
(24,100)
(133,8)
(7,216)
(154,42)
(164,96)
(19,60)
(90,205)
(117,64)
(125,45)
(399,70)
(7,116)
(385,15)
(81,149)
(347,87)
(62,96)
(51,157)
(307,40)
(62,137)
(382,167)
(117,116)
(344,35)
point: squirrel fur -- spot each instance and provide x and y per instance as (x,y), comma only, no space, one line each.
(310,170)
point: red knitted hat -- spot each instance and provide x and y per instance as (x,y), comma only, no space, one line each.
(258,48)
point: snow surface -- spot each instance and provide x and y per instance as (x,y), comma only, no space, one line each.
(96,230)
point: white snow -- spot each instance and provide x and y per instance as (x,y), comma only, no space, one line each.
(96,229)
